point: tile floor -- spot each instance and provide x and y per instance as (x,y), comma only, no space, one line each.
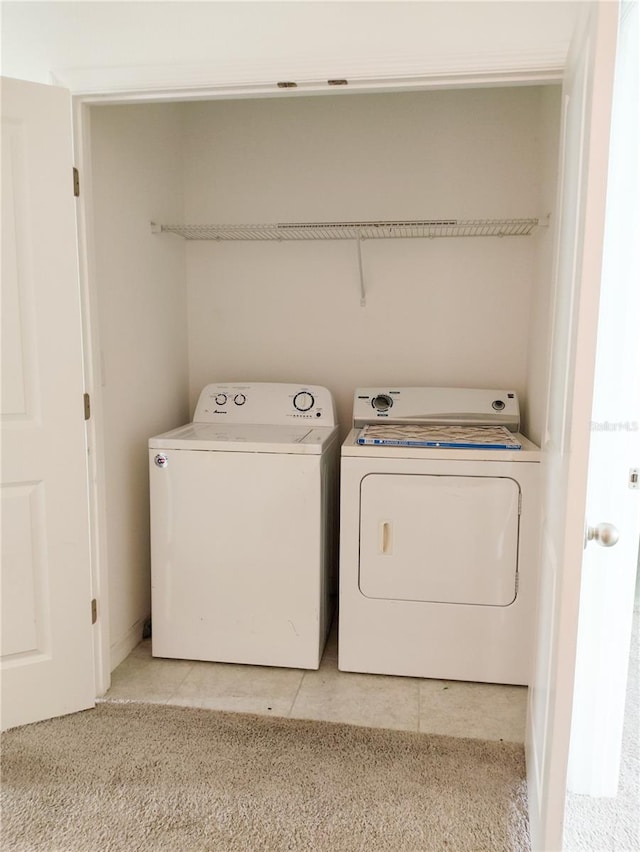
(484,711)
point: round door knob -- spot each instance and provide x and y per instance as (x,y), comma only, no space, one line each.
(605,534)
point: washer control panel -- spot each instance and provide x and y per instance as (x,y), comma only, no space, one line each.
(438,406)
(266,403)
(303,401)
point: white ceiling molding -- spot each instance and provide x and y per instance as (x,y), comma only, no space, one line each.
(179,50)
(203,82)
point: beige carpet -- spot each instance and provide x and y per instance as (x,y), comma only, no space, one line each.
(140,777)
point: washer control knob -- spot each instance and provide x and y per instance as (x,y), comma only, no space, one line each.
(221,398)
(382,402)
(498,404)
(239,399)
(303,401)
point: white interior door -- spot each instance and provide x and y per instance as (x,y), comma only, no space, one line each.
(609,573)
(587,92)
(46,634)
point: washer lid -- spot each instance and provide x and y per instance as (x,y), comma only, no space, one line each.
(249,437)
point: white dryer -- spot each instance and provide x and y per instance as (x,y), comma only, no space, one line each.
(243,527)
(439,536)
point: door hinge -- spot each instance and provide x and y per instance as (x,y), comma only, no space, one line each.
(76,183)
(87,406)
(94,611)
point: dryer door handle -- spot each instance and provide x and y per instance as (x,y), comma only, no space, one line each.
(386,538)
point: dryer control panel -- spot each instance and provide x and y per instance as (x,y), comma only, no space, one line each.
(265,403)
(437,406)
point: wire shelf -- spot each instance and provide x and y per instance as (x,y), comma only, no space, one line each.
(428,228)
(357,231)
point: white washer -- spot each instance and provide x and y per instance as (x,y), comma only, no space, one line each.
(243,520)
(439,536)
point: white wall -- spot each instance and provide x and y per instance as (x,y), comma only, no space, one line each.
(137,176)
(446,311)
(540,318)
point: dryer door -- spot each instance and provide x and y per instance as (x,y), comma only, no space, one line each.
(443,539)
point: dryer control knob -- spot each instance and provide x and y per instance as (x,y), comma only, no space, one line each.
(303,401)
(221,398)
(382,402)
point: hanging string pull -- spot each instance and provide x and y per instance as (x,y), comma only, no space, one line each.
(363,295)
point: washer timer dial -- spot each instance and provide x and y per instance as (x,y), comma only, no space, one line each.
(303,401)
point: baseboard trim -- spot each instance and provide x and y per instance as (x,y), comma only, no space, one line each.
(121,649)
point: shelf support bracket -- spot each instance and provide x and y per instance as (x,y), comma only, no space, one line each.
(363,295)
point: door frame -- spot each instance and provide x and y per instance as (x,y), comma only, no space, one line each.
(92,364)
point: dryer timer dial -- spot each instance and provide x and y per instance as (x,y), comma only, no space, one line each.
(382,402)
